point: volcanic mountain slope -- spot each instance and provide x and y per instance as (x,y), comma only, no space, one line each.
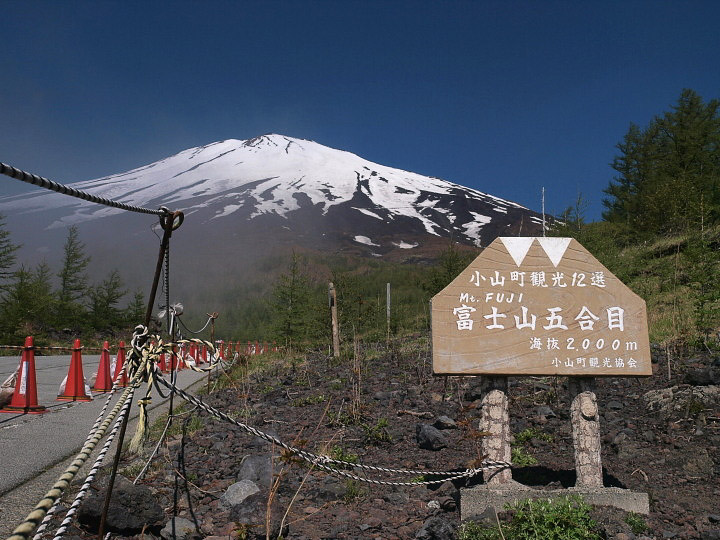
(242,199)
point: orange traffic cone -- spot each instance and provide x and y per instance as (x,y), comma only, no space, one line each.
(24,399)
(174,359)
(221,350)
(74,384)
(103,379)
(121,380)
(162,365)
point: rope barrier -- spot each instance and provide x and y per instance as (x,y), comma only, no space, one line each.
(26,528)
(93,471)
(34,518)
(325,462)
(54,348)
(93,429)
(34,179)
(199,331)
(141,364)
(142,361)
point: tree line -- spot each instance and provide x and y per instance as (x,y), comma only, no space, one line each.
(37,301)
(660,229)
(299,306)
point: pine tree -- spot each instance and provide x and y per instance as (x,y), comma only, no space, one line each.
(104,298)
(7,254)
(291,303)
(668,173)
(73,282)
(135,312)
(451,262)
(703,273)
(17,305)
(27,306)
(43,297)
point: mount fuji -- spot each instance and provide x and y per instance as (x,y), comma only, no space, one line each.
(244,199)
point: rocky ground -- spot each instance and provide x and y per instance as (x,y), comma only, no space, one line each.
(377,407)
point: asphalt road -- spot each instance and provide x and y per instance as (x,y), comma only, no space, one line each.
(31,444)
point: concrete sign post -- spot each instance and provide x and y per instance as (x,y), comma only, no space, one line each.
(540,306)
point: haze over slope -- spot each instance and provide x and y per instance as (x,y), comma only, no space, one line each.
(246,199)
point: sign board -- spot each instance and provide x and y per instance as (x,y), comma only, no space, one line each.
(539,306)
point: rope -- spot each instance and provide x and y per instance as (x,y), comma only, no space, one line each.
(325,462)
(67,190)
(199,331)
(93,429)
(34,347)
(93,471)
(26,528)
(142,360)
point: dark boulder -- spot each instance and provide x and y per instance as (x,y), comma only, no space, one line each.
(132,508)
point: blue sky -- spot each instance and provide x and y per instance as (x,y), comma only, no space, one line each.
(505,97)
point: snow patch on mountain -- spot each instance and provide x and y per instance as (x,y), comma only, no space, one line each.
(365,240)
(368,213)
(275,175)
(472,229)
(405,245)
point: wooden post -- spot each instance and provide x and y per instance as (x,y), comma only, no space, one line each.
(332,299)
(495,420)
(586,432)
(387,315)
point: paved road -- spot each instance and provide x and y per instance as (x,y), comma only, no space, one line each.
(31,444)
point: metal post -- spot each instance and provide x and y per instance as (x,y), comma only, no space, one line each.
(169,222)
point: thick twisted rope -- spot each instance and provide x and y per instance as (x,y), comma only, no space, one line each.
(93,471)
(26,528)
(142,361)
(34,518)
(30,178)
(326,462)
(93,429)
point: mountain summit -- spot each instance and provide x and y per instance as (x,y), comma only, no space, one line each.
(279,182)
(247,204)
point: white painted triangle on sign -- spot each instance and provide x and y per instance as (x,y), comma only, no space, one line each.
(517,247)
(555,248)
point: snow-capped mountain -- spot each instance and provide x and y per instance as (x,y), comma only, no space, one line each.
(246,204)
(298,181)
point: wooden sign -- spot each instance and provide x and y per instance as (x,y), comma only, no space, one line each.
(539,306)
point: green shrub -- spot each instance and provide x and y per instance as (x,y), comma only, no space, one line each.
(339,453)
(565,518)
(353,491)
(472,530)
(521,458)
(526,435)
(378,433)
(309,400)
(636,522)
